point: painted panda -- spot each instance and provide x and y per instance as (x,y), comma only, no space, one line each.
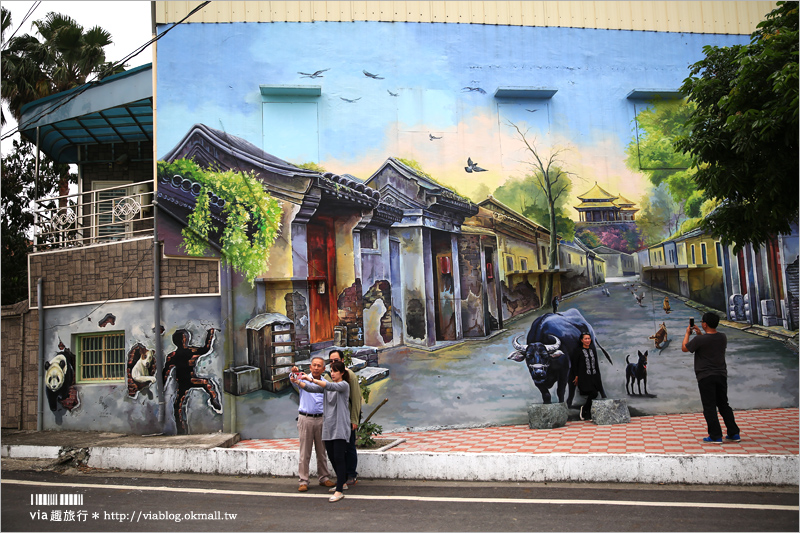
(59,376)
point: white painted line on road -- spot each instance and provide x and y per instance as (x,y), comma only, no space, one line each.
(637,503)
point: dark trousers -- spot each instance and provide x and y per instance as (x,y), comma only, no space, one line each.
(714,396)
(351,457)
(336,453)
(587,407)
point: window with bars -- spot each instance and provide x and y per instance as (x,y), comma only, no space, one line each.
(101,357)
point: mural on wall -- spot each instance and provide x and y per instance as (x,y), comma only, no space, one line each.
(380,173)
(181,367)
(141,370)
(59,379)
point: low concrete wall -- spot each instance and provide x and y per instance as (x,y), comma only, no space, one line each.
(627,468)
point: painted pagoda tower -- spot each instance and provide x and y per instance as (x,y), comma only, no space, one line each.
(599,206)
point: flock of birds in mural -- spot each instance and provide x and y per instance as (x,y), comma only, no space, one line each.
(471,167)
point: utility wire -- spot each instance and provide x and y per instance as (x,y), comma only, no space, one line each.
(56,105)
(24,19)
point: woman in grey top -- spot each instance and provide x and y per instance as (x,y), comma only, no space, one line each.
(335,418)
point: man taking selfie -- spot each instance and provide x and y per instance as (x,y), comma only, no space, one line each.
(309,427)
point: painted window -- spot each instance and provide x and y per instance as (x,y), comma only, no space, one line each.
(369,239)
(694,259)
(290,131)
(523,263)
(718,247)
(569,258)
(704,253)
(101,357)
(544,256)
(509,263)
(581,260)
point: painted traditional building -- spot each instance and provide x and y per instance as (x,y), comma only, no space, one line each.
(427,251)
(126,308)
(617,264)
(690,265)
(599,206)
(522,261)
(761,285)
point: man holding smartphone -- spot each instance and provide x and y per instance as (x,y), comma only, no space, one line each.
(712,376)
(309,428)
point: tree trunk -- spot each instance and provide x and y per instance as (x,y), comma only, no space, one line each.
(552,257)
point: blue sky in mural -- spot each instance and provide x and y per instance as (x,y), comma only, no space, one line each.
(444,77)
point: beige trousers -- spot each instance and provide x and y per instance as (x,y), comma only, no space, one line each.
(310,431)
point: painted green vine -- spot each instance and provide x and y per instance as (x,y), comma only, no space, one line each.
(252,216)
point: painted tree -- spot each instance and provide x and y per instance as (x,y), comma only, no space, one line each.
(652,152)
(555,183)
(744,131)
(660,216)
(525,195)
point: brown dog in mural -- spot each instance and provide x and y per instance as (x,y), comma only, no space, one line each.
(661,336)
(183,360)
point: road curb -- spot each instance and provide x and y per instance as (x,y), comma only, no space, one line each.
(714,469)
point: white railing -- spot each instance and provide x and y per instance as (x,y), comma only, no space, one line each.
(115,213)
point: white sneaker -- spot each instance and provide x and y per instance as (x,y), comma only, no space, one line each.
(333,489)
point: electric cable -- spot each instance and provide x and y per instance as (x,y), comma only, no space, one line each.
(24,19)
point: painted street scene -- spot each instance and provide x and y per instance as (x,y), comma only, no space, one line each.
(510,261)
(475,384)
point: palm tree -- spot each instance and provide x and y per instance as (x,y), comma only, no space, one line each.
(65,58)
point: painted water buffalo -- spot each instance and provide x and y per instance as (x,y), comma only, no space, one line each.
(549,364)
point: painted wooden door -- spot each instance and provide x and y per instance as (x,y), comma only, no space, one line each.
(321,273)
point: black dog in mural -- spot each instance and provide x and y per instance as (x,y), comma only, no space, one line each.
(637,372)
(183,360)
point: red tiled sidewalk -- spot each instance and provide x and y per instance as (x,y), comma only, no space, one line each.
(764,431)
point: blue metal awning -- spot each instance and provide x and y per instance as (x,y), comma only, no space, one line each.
(115,110)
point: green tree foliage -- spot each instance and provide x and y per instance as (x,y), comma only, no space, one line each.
(744,132)
(252,217)
(588,238)
(652,152)
(659,217)
(482,191)
(18,170)
(65,57)
(310,165)
(525,196)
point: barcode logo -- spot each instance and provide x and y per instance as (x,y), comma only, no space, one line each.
(56,499)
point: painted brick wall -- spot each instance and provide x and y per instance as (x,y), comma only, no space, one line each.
(19,366)
(116,271)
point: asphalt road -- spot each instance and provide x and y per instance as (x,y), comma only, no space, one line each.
(121,501)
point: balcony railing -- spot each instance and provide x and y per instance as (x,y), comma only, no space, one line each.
(115,213)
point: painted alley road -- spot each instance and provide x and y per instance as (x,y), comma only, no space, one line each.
(475,384)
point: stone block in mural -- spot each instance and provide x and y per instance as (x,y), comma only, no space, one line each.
(241,380)
(547,416)
(607,412)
